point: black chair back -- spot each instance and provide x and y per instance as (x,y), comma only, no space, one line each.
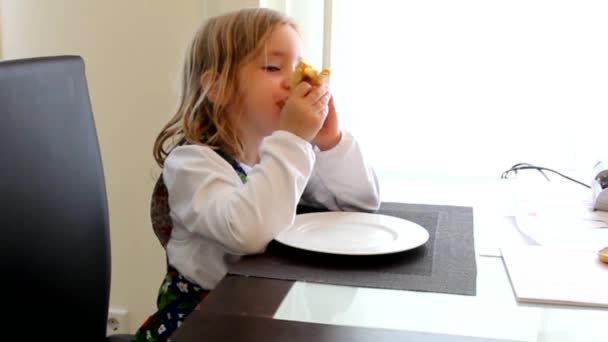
(54,225)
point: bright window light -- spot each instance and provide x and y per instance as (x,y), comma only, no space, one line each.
(468,88)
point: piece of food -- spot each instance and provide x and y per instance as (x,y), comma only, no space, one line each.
(603,254)
(306,73)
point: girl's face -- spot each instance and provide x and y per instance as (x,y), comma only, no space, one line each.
(266,82)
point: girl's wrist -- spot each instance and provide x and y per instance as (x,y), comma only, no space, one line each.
(331,143)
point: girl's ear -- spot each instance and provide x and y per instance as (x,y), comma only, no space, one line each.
(209,84)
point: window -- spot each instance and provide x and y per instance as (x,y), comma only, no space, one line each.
(468,88)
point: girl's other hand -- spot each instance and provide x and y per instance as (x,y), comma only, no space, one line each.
(305,110)
(329,135)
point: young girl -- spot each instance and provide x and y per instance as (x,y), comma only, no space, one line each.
(243,151)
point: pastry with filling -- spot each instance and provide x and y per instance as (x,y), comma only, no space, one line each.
(306,73)
(603,254)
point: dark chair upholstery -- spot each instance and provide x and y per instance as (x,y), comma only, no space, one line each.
(54,228)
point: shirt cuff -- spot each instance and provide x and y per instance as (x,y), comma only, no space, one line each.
(340,150)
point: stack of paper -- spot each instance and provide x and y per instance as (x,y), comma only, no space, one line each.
(544,274)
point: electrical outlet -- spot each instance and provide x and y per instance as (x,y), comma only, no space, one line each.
(118,321)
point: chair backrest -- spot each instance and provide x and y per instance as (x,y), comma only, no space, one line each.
(54,228)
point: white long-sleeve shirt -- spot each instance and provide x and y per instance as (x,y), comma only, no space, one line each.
(216,218)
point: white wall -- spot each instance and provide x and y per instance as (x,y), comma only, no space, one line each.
(213,7)
(1,29)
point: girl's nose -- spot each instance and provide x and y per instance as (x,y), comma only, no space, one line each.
(286,81)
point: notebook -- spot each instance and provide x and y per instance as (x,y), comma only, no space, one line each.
(541,274)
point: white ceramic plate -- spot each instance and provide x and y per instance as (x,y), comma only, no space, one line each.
(353,233)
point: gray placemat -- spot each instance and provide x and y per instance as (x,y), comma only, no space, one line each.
(446,263)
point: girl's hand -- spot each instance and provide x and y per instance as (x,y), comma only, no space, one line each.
(329,135)
(305,110)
